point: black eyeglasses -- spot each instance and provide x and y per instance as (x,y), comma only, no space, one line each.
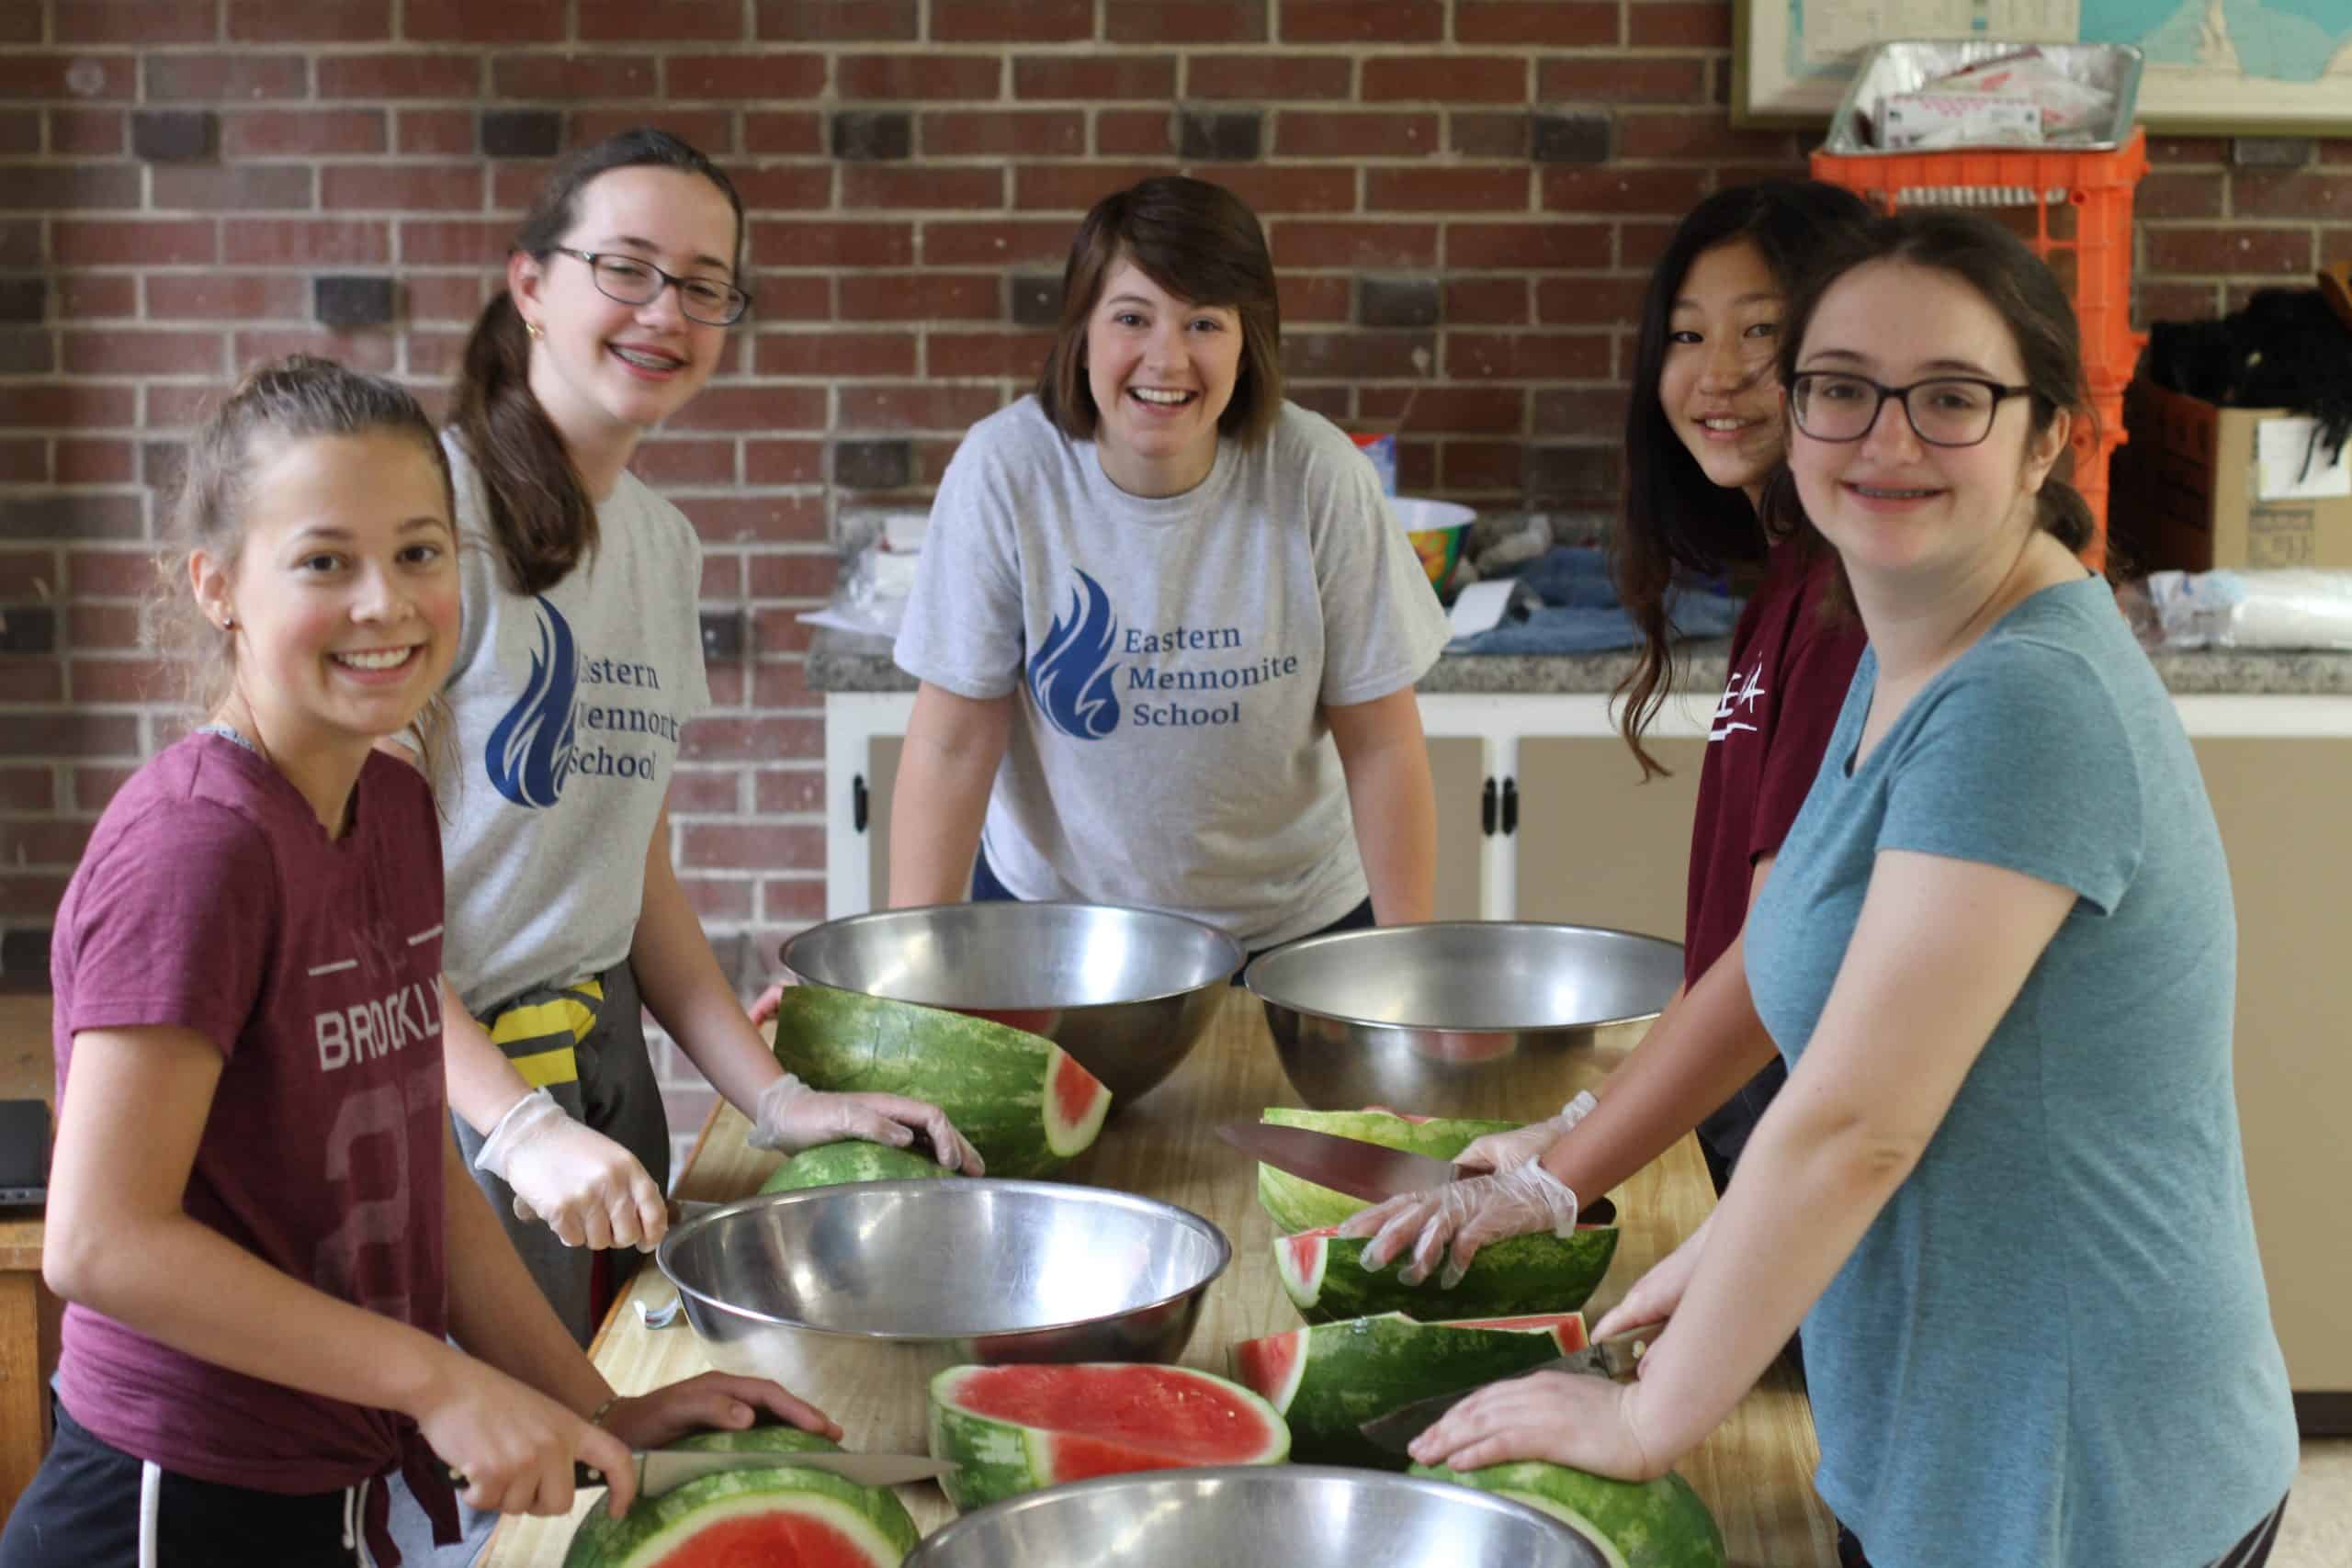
(1950,410)
(633,282)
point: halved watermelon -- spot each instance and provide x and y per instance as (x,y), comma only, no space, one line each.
(1637,1524)
(832,1165)
(802,1516)
(1023,1102)
(1325,1277)
(1018,1428)
(1298,1204)
(1328,1380)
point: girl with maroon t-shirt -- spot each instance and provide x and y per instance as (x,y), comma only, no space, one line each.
(264,1234)
(1704,430)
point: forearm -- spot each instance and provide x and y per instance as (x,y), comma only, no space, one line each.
(1811,1180)
(483,1085)
(1703,1048)
(496,1312)
(1395,807)
(682,986)
(936,809)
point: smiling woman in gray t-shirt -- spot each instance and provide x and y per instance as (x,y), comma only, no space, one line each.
(1167,624)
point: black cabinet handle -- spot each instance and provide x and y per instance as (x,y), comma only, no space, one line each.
(1510,807)
(1486,809)
(857,802)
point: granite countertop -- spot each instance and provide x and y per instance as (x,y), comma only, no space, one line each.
(844,662)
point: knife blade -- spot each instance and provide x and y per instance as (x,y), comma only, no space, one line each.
(1611,1358)
(1344,1165)
(665,1470)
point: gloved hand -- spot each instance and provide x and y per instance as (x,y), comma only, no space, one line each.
(1468,1213)
(1501,1151)
(791,1116)
(589,1190)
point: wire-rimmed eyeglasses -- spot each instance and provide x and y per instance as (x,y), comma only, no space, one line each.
(1947,411)
(710,300)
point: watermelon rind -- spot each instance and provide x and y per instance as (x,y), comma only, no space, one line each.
(1340,1375)
(995,1083)
(1517,1275)
(834,1165)
(870,1517)
(1635,1524)
(1000,1459)
(1297,1204)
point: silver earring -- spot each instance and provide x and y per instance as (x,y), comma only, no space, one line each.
(228,623)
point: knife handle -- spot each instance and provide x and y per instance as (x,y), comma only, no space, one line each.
(582,1476)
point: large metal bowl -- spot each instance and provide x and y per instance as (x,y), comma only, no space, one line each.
(1128,992)
(1471,1018)
(1257,1517)
(944,1273)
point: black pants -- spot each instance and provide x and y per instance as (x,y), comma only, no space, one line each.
(2250,1552)
(84,1508)
(987,889)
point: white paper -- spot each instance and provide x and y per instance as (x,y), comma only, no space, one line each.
(1480,606)
(2282,447)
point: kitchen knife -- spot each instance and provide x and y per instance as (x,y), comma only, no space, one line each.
(665,1470)
(1343,1165)
(1611,1358)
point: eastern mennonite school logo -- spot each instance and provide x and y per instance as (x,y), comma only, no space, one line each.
(1072,677)
(530,749)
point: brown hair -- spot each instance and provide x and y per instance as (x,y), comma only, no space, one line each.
(1199,242)
(1679,521)
(2005,274)
(292,399)
(538,515)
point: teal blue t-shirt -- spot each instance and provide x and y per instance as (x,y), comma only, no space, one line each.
(2053,1345)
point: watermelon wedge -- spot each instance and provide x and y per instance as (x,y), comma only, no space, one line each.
(1325,1277)
(1645,1524)
(830,1164)
(802,1516)
(1022,1100)
(1297,1204)
(1020,1428)
(1328,1380)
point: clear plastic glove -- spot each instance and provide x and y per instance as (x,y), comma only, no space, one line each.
(590,1190)
(1457,1220)
(791,1116)
(1501,1151)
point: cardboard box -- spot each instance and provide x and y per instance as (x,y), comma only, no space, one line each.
(2187,493)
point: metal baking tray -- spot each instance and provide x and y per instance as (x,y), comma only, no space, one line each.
(1909,64)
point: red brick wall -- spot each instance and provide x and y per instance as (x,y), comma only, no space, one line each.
(1461,193)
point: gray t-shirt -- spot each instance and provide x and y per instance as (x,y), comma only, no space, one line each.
(2053,1345)
(1173,658)
(567,706)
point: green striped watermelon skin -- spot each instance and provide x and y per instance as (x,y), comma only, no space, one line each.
(1346,1373)
(1297,1204)
(1009,1092)
(1108,1419)
(873,1527)
(1637,1524)
(1325,1280)
(832,1165)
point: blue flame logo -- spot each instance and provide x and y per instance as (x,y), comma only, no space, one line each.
(1071,676)
(530,751)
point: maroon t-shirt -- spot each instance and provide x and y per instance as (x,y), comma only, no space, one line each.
(1790,669)
(210,899)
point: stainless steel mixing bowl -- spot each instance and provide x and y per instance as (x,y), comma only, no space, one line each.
(1257,1517)
(1125,991)
(1469,1018)
(944,1272)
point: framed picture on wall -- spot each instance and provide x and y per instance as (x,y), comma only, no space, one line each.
(2216,67)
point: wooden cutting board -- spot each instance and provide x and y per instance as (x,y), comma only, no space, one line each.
(1754,1473)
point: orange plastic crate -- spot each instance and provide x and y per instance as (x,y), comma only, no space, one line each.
(2074,209)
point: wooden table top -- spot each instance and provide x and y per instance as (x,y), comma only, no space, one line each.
(27,1071)
(1755,1472)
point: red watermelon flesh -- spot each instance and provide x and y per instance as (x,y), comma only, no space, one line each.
(1075,1090)
(1113,1419)
(765,1541)
(1270,1364)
